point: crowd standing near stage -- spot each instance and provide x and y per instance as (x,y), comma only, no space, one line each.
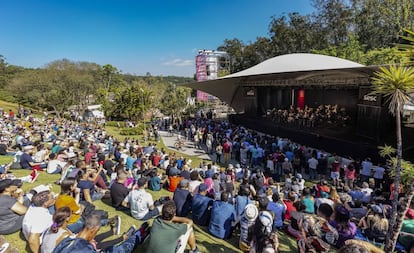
(255,186)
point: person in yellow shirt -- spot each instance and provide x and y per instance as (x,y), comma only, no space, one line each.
(69,196)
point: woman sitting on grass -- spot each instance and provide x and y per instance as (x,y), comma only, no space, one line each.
(58,231)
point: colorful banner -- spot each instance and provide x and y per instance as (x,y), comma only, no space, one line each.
(202,96)
(201,67)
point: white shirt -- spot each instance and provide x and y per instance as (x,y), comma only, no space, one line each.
(52,165)
(139,202)
(36,220)
(193,186)
(313,163)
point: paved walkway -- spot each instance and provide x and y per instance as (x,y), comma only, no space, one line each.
(188,148)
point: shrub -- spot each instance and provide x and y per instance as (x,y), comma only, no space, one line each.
(113,123)
(131,130)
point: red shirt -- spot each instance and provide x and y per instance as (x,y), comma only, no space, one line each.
(156,160)
(174,181)
(226,147)
(88,157)
(336,166)
(289,208)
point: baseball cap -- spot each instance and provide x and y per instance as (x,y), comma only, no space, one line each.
(251,212)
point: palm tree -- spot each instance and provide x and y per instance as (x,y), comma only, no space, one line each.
(407,179)
(394,83)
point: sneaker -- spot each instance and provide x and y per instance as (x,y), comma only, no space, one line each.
(4,247)
(144,226)
(113,220)
(131,231)
(115,223)
(34,174)
(143,231)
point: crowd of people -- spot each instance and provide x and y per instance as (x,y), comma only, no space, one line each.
(323,115)
(256,191)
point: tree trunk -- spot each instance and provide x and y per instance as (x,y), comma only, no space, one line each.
(405,204)
(393,233)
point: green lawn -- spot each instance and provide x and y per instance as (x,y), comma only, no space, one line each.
(7,106)
(206,242)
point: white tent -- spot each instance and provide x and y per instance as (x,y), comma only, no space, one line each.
(285,70)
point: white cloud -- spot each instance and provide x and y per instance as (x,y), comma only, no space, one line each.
(178,62)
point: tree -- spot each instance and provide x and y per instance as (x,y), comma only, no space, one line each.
(174,100)
(107,73)
(59,85)
(234,48)
(335,19)
(394,83)
(407,179)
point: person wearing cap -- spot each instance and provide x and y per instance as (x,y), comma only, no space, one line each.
(201,206)
(261,235)
(12,209)
(223,214)
(346,228)
(140,202)
(183,198)
(247,220)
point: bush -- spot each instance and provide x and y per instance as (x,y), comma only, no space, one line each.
(113,123)
(131,130)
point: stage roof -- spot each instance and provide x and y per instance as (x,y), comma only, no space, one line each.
(291,70)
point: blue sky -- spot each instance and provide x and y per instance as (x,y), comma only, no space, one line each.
(157,36)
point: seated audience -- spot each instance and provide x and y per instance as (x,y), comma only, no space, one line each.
(37,219)
(170,233)
(118,190)
(346,229)
(278,208)
(140,202)
(12,209)
(261,236)
(247,220)
(375,224)
(223,215)
(183,199)
(201,206)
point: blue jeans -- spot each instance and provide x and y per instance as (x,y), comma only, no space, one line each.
(125,247)
(151,213)
(78,225)
(365,178)
(312,173)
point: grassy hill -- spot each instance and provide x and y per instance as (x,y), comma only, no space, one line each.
(206,242)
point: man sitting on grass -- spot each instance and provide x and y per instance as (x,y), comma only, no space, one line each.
(140,202)
(170,233)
